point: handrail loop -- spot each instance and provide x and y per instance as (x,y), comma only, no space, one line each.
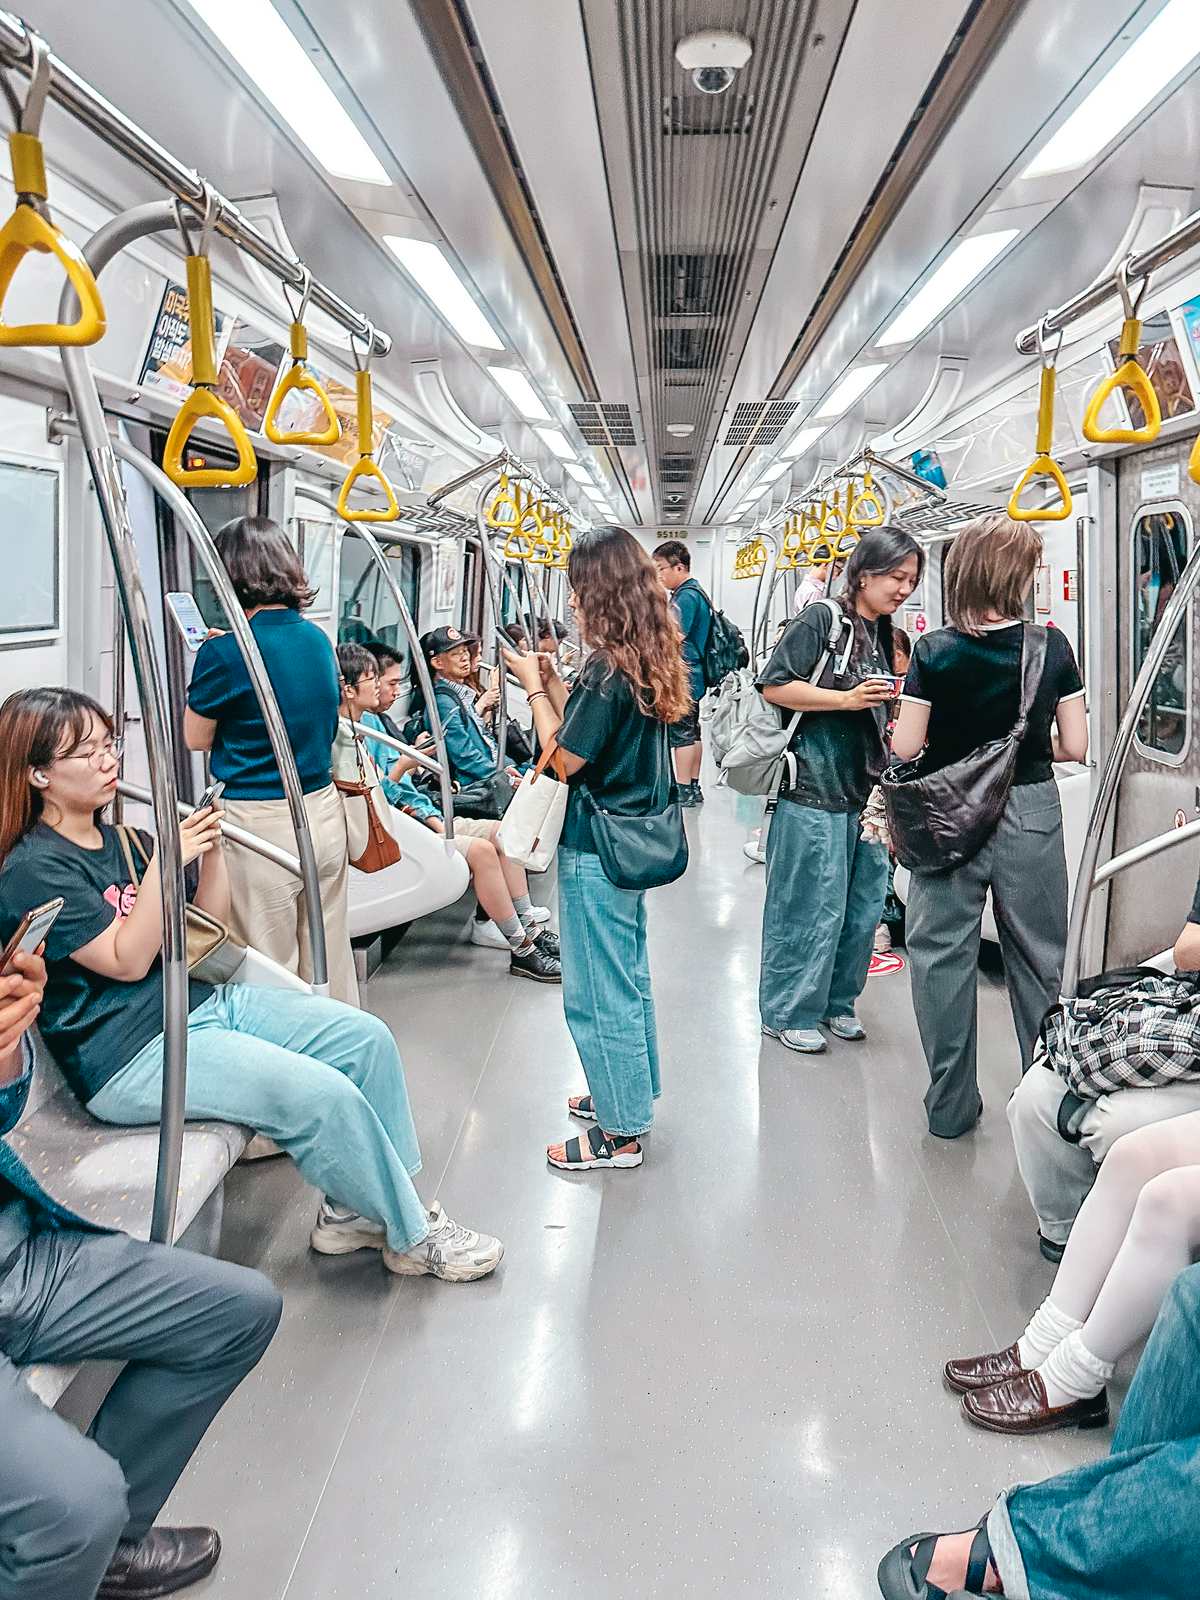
(1043,464)
(31,227)
(1130,375)
(366,466)
(204,402)
(298,377)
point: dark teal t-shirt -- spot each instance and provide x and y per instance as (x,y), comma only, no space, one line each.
(303,672)
(695,619)
(628,764)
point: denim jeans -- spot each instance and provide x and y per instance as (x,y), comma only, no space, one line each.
(825,891)
(1125,1527)
(606,992)
(324,1080)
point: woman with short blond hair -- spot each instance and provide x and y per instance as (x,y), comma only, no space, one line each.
(963,690)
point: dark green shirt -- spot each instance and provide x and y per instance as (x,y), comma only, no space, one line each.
(628,764)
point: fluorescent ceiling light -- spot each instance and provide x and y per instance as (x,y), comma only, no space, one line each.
(595,496)
(777,471)
(851,388)
(426,264)
(802,441)
(271,56)
(580,474)
(522,393)
(555,439)
(1158,54)
(961,267)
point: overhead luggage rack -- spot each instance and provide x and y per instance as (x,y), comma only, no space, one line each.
(944,518)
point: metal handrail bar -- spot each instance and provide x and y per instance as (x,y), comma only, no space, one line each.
(229,830)
(122,134)
(763,533)
(495,464)
(1137,265)
(1106,792)
(420,665)
(256,669)
(409,750)
(492,644)
(850,469)
(1146,851)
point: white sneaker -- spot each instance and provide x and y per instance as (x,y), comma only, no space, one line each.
(489,936)
(754,851)
(538,914)
(448,1251)
(846,1027)
(338,1231)
(883,939)
(808,1041)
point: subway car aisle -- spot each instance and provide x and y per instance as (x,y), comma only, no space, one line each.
(719,1375)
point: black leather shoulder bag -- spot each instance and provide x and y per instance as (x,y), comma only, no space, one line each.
(938,820)
(640,852)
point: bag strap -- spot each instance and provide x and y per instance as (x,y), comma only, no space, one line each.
(837,620)
(1034,641)
(127,837)
(551,753)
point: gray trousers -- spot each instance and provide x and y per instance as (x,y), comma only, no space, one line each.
(1024,866)
(190,1329)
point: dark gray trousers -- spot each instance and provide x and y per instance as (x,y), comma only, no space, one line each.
(190,1329)
(1024,866)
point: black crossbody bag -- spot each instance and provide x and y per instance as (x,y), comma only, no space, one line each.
(938,820)
(640,852)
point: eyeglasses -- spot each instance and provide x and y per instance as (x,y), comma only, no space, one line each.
(110,750)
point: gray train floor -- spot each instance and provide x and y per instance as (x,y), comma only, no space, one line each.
(718,1375)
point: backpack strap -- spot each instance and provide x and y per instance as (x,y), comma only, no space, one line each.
(837,619)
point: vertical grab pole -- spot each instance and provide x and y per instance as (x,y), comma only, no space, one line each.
(1085,882)
(485,555)
(759,610)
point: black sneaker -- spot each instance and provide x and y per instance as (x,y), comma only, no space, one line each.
(535,963)
(697,795)
(547,941)
(687,796)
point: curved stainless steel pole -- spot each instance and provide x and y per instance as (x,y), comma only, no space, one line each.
(762,533)
(260,847)
(1085,881)
(420,665)
(489,577)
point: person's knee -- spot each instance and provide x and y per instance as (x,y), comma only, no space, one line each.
(259,1306)
(1135,1158)
(1034,1103)
(1168,1206)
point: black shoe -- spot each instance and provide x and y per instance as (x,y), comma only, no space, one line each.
(167,1559)
(687,796)
(697,795)
(547,941)
(1050,1248)
(535,963)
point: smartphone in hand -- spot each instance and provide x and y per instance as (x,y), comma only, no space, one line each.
(210,796)
(188,620)
(30,932)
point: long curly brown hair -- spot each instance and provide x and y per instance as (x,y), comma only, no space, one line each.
(625,616)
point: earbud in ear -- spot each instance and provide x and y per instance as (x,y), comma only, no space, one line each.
(40,780)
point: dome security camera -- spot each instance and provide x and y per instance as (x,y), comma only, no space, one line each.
(714,58)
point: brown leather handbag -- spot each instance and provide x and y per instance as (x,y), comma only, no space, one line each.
(212,954)
(381,849)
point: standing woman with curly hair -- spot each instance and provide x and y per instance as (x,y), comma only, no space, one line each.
(611,731)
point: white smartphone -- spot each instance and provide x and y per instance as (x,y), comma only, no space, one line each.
(187,616)
(210,796)
(31,930)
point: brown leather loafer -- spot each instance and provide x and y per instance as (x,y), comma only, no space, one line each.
(1020,1406)
(166,1560)
(983,1372)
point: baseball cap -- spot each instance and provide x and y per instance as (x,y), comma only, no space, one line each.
(440,640)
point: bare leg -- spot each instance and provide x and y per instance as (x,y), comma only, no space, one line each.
(488,881)
(687,762)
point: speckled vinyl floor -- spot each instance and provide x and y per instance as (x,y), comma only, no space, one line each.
(716,1376)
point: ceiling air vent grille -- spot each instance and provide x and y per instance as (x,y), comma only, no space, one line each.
(693,285)
(721,114)
(759,421)
(602,423)
(676,469)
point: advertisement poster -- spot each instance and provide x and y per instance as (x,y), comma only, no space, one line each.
(445,582)
(1159,354)
(302,412)
(248,359)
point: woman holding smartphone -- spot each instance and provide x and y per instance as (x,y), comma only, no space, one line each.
(323,1079)
(826,884)
(611,732)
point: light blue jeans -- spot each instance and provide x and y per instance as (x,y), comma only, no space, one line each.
(323,1079)
(606,992)
(1125,1527)
(825,891)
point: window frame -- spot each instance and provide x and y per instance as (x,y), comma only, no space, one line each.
(1154,508)
(18,638)
(409,578)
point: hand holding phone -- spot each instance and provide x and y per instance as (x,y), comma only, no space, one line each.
(30,933)
(210,796)
(188,620)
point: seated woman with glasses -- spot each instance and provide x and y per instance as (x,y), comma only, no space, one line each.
(323,1079)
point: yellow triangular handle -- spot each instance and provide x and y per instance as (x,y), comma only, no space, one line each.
(28,230)
(1043,466)
(366,467)
(199,404)
(1130,375)
(866,511)
(297,377)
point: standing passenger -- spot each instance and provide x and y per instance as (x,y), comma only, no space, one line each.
(223,716)
(825,883)
(611,733)
(694,614)
(963,690)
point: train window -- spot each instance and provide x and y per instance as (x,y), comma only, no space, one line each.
(1162,541)
(314,544)
(367,613)
(29,515)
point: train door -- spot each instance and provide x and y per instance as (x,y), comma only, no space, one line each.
(1157,509)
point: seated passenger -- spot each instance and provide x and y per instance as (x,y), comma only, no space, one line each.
(469,746)
(1061,1140)
(77,1513)
(500,884)
(1120,1528)
(1136,1230)
(322,1079)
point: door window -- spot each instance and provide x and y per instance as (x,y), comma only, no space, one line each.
(29,522)
(1162,541)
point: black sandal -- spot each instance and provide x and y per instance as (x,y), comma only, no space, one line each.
(597,1150)
(903,1572)
(581,1106)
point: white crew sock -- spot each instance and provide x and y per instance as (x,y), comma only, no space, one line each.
(1071,1372)
(1047,1328)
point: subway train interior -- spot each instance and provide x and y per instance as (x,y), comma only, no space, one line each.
(438,286)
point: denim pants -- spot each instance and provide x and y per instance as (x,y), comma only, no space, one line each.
(324,1080)
(1124,1527)
(826,886)
(606,992)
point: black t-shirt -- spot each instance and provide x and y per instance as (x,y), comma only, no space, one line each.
(840,754)
(92,1025)
(628,765)
(972,687)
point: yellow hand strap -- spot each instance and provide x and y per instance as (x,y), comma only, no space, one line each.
(298,379)
(1129,376)
(366,466)
(1043,464)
